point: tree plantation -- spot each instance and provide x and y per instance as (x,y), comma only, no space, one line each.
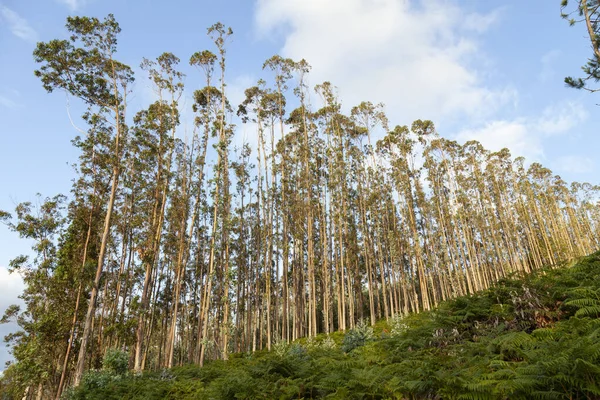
(261,223)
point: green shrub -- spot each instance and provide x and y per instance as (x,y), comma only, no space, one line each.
(357,337)
(116,361)
(398,326)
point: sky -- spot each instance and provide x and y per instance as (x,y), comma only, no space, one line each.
(486,70)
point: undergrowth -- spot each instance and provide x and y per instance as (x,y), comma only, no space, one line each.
(536,337)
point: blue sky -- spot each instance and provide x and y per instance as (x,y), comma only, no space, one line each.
(491,71)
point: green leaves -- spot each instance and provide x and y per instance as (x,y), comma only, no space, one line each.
(587,303)
(357,337)
(11,312)
(116,361)
(84,66)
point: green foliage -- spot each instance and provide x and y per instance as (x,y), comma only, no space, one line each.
(357,337)
(116,361)
(114,368)
(84,65)
(398,326)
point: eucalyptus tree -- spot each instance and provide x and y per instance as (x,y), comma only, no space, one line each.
(85,67)
(529,211)
(367,117)
(85,215)
(341,184)
(152,152)
(511,239)
(543,186)
(582,195)
(301,118)
(261,106)
(282,69)
(241,246)
(330,117)
(270,109)
(474,210)
(206,105)
(296,206)
(221,200)
(175,250)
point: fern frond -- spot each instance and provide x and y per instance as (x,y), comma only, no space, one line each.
(582,302)
(545,334)
(591,311)
(543,395)
(499,364)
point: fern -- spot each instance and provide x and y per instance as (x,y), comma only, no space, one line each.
(588,306)
(590,311)
(583,302)
(548,395)
(549,334)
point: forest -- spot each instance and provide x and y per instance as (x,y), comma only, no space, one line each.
(176,250)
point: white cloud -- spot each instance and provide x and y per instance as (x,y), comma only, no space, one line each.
(481,22)
(574,164)
(514,135)
(11,286)
(18,25)
(562,117)
(548,60)
(73,5)
(526,136)
(422,53)
(8,103)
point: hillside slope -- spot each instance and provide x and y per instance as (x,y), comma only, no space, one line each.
(532,337)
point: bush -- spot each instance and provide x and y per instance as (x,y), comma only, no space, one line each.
(357,337)
(114,368)
(399,326)
(116,361)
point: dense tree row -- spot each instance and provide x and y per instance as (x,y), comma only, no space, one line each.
(184,250)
